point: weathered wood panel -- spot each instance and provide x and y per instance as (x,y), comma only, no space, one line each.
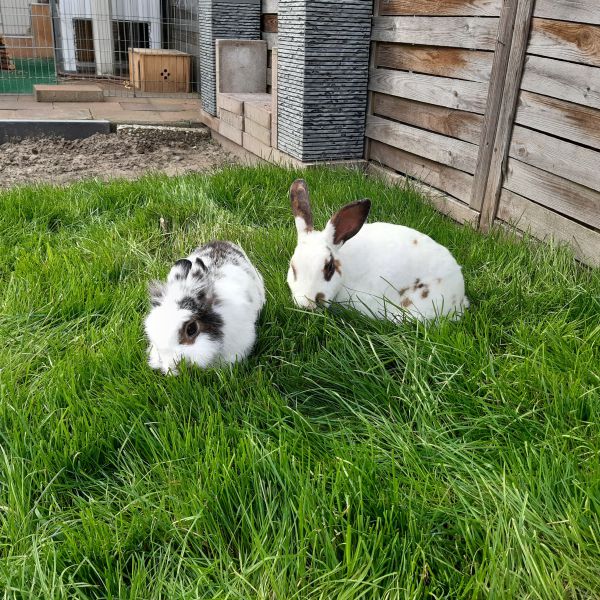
(442,91)
(481,8)
(457,32)
(448,151)
(551,154)
(564,119)
(473,65)
(454,123)
(566,41)
(269,22)
(581,11)
(445,204)
(563,80)
(454,182)
(543,224)
(559,194)
(500,93)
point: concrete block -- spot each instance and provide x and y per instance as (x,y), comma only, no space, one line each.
(257,147)
(231,133)
(259,112)
(68,93)
(241,66)
(234,103)
(262,134)
(70,130)
(274,61)
(232,119)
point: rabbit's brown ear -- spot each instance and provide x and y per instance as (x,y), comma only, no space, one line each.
(347,221)
(301,206)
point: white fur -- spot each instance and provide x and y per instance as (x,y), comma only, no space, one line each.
(385,271)
(238,295)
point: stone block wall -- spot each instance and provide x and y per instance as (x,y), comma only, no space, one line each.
(323,67)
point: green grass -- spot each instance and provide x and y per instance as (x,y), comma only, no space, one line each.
(28,72)
(348,458)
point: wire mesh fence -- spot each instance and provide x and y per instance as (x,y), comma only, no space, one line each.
(128,47)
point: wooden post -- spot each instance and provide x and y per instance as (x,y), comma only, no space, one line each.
(494,100)
(372,65)
(488,202)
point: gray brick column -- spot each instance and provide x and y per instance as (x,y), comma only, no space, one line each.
(322,78)
(222,19)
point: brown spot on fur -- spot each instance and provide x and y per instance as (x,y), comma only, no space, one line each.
(338,266)
(439,280)
(406,302)
(425,293)
(415,242)
(320,298)
(418,285)
(402,291)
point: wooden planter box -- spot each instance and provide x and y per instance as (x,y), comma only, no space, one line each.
(157,70)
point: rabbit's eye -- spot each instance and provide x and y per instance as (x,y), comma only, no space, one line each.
(329,269)
(191,329)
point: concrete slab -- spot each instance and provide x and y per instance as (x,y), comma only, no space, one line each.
(68,93)
(241,65)
(70,130)
(235,135)
(258,111)
(262,134)
(232,119)
(235,102)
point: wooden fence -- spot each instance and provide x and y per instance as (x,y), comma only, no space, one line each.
(496,104)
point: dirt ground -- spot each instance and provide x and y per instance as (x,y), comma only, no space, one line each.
(127,153)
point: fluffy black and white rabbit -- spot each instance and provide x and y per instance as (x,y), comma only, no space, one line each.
(384,270)
(206,311)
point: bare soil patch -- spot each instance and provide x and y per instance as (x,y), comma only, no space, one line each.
(128,153)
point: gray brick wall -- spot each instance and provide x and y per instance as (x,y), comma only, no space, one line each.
(323,67)
(226,19)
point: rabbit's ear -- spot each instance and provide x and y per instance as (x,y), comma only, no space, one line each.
(301,206)
(347,221)
(179,271)
(156,289)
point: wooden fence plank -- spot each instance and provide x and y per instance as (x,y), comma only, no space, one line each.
(508,106)
(482,8)
(566,41)
(448,151)
(563,80)
(564,119)
(454,182)
(269,22)
(473,65)
(442,202)
(543,223)
(552,191)
(458,32)
(582,11)
(494,101)
(551,154)
(442,91)
(465,126)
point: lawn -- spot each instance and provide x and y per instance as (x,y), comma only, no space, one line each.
(28,72)
(348,458)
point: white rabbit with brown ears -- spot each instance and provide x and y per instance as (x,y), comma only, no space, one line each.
(383,270)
